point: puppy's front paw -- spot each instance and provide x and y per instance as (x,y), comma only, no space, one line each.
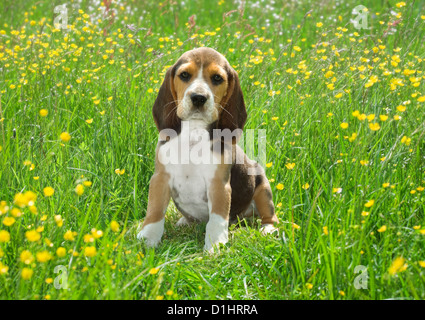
(268,229)
(183,221)
(217,232)
(151,233)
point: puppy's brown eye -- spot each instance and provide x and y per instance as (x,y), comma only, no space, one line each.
(184,76)
(217,79)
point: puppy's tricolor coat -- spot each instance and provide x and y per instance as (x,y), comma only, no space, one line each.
(201,93)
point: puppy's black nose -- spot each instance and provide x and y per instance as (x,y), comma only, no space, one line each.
(198,100)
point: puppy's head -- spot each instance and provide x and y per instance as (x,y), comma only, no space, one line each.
(200,85)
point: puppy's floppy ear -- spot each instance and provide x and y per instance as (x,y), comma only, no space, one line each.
(165,107)
(234,114)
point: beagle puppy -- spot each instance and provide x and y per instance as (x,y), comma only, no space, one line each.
(200,113)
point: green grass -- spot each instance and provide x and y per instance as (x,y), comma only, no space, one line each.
(42,68)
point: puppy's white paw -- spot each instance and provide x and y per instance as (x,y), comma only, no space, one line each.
(151,234)
(183,221)
(217,232)
(268,229)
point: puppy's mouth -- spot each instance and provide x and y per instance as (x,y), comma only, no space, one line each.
(192,113)
(197,114)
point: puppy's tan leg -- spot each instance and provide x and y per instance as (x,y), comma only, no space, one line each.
(264,202)
(219,199)
(159,198)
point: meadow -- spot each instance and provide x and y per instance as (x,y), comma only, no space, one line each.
(344,110)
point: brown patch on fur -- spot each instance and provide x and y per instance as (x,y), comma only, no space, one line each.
(220,90)
(159,194)
(164,109)
(180,86)
(264,202)
(220,192)
(234,113)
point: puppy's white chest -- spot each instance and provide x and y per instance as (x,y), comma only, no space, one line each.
(189,162)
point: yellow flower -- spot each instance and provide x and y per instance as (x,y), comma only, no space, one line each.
(43,256)
(79,189)
(96,233)
(361,117)
(48,191)
(115,227)
(44,112)
(370,117)
(88,238)
(369,203)
(59,220)
(386,185)
(26,257)
(8,221)
(3,268)
(325,230)
(309,286)
(374,126)
(119,172)
(344,125)
(69,235)
(397,266)
(290,166)
(25,199)
(65,136)
(353,137)
(406,140)
(89,121)
(26,273)
(154,271)
(364,162)
(4,236)
(268,165)
(336,190)
(319,24)
(87,183)
(90,251)
(383,117)
(422,264)
(401,108)
(342,293)
(279,186)
(421,99)
(32,235)
(306,186)
(61,252)
(382,229)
